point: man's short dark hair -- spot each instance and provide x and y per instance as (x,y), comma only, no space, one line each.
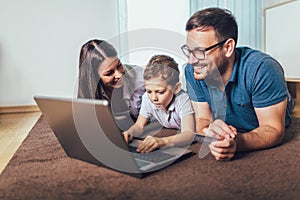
(221,20)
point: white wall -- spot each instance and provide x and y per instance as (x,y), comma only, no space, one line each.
(269,3)
(282,35)
(40,40)
(40,43)
(157,27)
(169,16)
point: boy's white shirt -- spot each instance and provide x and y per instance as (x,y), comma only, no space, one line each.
(180,106)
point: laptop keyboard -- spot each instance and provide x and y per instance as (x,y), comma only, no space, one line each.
(154,156)
(141,163)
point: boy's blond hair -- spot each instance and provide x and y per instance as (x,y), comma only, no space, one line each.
(164,67)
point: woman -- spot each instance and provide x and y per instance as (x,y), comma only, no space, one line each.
(103,76)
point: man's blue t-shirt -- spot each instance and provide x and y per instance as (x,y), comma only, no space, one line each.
(257,81)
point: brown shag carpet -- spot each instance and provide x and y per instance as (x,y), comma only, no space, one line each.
(40,169)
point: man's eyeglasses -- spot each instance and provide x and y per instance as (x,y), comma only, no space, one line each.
(198,52)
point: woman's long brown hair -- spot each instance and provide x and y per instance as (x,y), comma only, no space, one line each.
(91,56)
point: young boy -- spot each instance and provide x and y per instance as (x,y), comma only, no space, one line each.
(165,101)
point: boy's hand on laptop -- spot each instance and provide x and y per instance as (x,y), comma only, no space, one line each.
(128,138)
(150,144)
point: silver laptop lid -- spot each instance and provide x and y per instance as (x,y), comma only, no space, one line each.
(87,131)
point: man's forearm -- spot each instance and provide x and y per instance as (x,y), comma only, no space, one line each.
(259,138)
(201,124)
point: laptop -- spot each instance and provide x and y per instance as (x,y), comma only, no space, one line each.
(87,131)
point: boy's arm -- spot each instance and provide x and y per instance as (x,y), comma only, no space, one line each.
(136,129)
(187,132)
(186,136)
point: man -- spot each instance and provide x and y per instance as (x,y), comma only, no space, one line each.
(239,94)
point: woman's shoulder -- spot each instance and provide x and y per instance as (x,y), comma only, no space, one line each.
(134,72)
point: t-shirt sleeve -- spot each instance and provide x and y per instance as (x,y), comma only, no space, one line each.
(146,109)
(193,86)
(185,106)
(268,86)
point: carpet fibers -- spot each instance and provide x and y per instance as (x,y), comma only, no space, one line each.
(40,169)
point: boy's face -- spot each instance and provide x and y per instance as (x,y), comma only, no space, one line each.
(159,92)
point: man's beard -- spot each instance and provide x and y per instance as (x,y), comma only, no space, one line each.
(210,70)
(223,66)
(201,71)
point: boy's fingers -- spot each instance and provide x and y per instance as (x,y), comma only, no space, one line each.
(125,137)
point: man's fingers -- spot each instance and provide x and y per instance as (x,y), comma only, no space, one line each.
(220,128)
(221,157)
(223,150)
(212,133)
(225,129)
(233,130)
(226,143)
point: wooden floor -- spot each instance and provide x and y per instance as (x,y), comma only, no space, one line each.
(296,111)
(13,130)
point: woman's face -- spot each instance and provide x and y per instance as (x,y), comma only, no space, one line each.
(111,72)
